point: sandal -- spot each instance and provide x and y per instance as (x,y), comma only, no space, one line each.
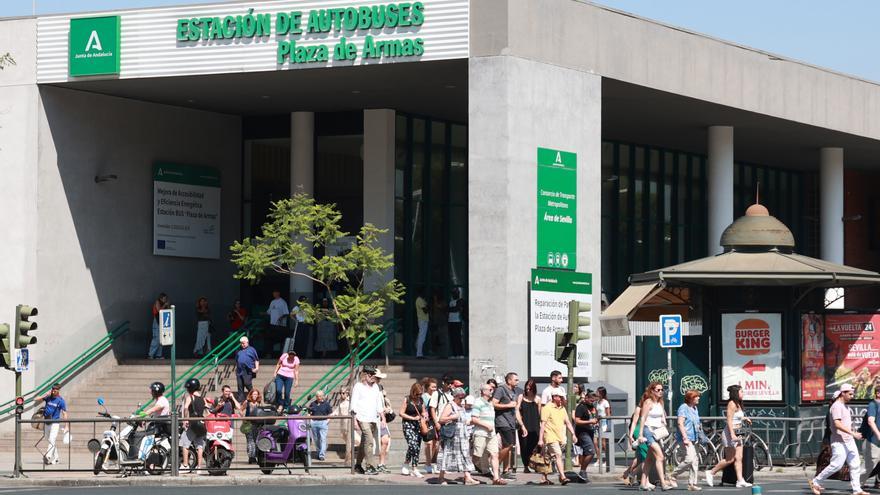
(472,482)
(545,482)
(499,481)
(563,480)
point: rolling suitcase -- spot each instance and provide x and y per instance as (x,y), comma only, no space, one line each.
(728,477)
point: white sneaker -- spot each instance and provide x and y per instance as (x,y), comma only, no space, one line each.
(709,480)
(404,471)
(415,472)
(743,484)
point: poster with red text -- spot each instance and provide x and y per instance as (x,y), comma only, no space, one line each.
(752,350)
(852,353)
(812,358)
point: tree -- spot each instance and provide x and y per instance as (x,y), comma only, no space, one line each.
(298,227)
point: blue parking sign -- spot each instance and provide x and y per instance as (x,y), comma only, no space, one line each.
(670,331)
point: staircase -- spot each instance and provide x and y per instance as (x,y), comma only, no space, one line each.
(124,386)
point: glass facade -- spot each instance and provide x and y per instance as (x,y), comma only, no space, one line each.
(654,207)
(430,215)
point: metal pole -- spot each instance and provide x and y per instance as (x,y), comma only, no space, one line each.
(351,440)
(16,468)
(572,356)
(175,462)
(669,378)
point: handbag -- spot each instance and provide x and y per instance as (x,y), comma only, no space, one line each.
(389,416)
(539,462)
(39,414)
(660,433)
(447,431)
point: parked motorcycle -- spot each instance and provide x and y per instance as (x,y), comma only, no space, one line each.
(131,450)
(284,444)
(219,451)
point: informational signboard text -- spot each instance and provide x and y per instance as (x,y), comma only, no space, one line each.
(551,291)
(186,211)
(557,209)
(752,344)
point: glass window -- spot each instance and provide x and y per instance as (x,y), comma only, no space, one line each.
(458,167)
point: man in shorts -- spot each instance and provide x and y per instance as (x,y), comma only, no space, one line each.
(554,422)
(506,419)
(585,420)
(485,438)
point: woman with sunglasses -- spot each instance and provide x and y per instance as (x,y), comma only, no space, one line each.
(653,430)
(733,444)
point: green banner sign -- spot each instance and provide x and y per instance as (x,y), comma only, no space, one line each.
(93,46)
(557,209)
(561,281)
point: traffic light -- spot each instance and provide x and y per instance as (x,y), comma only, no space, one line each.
(6,346)
(578,329)
(22,326)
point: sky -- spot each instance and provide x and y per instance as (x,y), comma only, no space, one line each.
(838,35)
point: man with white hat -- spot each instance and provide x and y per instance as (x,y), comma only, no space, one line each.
(843,443)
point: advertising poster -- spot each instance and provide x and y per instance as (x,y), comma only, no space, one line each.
(852,353)
(186,211)
(557,209)
(551,290)
(812,358)
(752,344)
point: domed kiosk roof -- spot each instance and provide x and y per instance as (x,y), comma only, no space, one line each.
(757,230)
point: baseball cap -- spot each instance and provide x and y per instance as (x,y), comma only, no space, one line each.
(846,387)
(370,369)
(379,374)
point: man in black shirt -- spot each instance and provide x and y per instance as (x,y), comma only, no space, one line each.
(320,407)
(585,420)
(507,418)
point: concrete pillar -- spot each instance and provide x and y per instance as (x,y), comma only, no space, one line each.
(379,154)
(831,214)
(302,179)
(719,173)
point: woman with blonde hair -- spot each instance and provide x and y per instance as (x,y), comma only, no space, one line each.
(653,430)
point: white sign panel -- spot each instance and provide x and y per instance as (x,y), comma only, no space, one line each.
(551,290)
(186,211)
(166,326)
(752,350)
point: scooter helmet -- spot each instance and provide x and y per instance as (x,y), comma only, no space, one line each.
(193,385)
(157,389)
(294,410)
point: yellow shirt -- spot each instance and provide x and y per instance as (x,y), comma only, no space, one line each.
(553,419)
(421,309)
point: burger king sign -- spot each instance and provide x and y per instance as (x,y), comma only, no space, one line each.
(752,354)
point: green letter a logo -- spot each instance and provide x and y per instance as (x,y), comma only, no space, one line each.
(94,42)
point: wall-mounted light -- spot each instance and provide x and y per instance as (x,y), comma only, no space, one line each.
(105,178)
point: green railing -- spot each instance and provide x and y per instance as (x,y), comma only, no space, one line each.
(209,361)
(74,366)
(337,373)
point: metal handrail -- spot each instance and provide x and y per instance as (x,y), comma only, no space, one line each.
(369,345)
(74,366)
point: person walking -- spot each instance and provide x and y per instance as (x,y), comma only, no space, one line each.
(632,472)
(653,423)
(414,419)
(843,443)
(247,363)
(159,304)
(457,310)
(730,440)
(196,432)
(286,378)
(585,421)
(384,432)
(688,432)
(278,314)
(423,320)
(251,408)
(55,409)
(603,410)
(554,422)
(455,449)
(320,407)
(430,396)
(203,328)
(507,417)
(554,387)
(871,434)
(486,441)
(367,405)
(529,406)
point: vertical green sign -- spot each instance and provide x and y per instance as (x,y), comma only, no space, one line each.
(93,46)
(557,209)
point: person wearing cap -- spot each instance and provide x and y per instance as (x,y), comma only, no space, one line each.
(843,443)
(247,363)
(455,450)
(554,422)
(554,387)
(55,409)
(485,438)
(384,432)
(367,405)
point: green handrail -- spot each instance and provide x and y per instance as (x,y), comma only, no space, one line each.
(80,361)
(341,365)
(362,356)
(219,353)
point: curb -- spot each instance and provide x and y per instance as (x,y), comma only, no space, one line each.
(168,481)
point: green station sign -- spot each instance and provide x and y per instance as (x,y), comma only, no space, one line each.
(93,46)
(557,209)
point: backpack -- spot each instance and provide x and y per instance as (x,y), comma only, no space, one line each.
(865,428)
(197,410)
(269,392)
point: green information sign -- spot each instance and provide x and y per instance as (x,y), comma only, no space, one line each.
(93,46)
(557,209)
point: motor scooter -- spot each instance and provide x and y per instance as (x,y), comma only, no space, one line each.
(219,451)
(284,444)
(130,450)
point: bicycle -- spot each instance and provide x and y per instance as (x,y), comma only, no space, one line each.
(762,458)
(707,454)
